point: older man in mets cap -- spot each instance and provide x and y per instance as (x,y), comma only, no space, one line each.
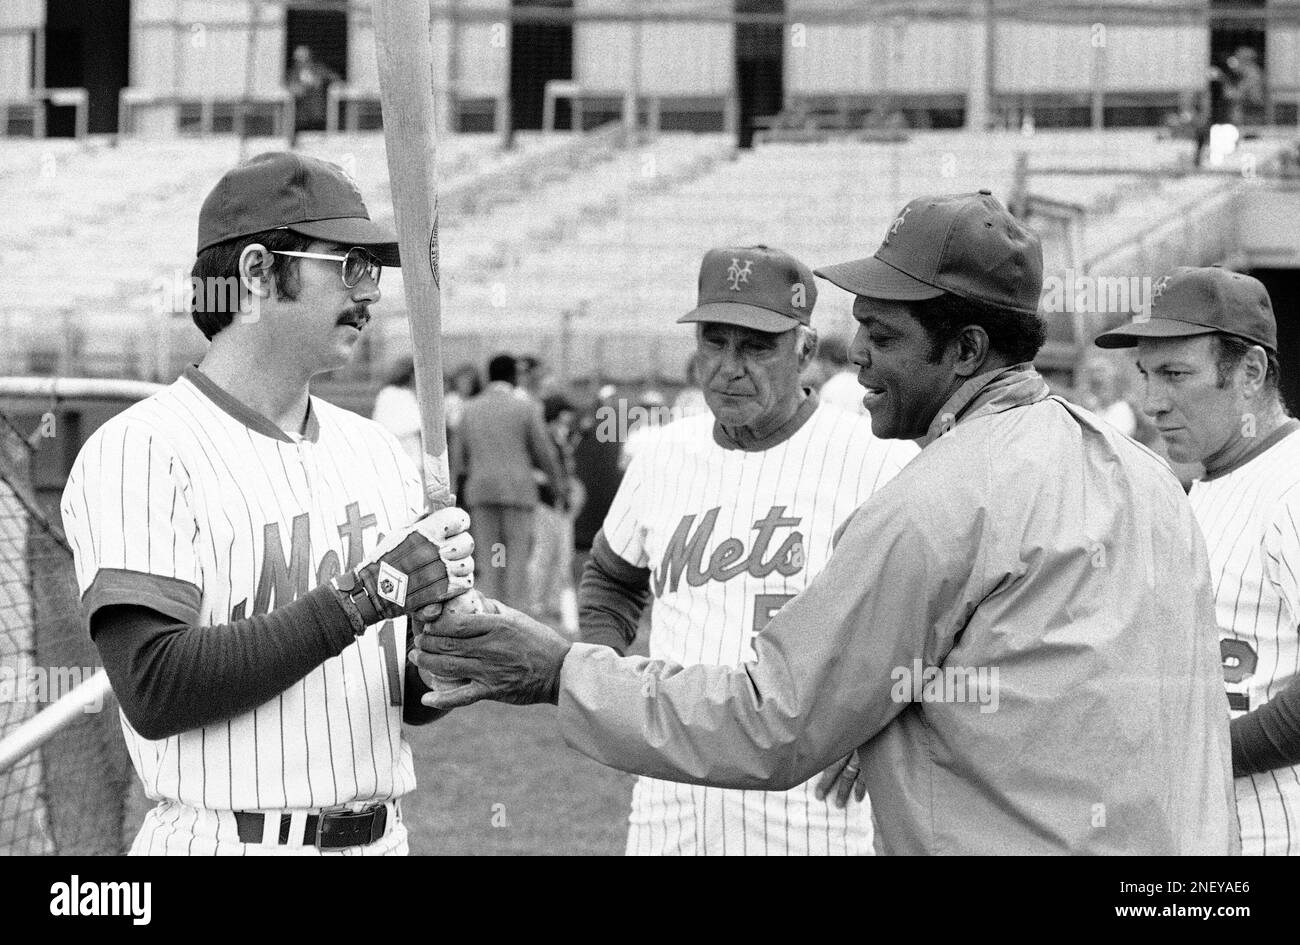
(1208,358)
(725,518)
(1017,629)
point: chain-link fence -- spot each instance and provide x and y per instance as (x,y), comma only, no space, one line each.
(68,796)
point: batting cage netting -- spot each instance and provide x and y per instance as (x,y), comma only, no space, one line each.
(69,796)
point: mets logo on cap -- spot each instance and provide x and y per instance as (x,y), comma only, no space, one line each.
(897,224)
(738,274)
(758,287)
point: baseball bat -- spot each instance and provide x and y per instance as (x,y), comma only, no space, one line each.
(405,57)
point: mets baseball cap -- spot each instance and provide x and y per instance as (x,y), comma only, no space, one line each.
(755,286)
(1191,301)
(283,190)
(965,244)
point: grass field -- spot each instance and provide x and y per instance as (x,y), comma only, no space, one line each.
(552,799)
(499,779)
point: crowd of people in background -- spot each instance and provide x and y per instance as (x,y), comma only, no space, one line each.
(537,460)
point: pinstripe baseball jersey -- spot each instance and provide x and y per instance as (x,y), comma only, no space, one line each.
(1251,520)
(196,506)
(729,536)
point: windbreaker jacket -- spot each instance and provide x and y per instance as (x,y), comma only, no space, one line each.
(1018,628)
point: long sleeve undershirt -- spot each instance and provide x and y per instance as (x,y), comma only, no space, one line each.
(1268,737)
(612,595)
(170,677)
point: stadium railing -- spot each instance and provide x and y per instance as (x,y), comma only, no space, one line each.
(187,114)
(34,106)
(344,102)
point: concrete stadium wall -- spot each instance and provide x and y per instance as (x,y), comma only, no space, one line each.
(1054,57)
(689,58)
(482,60)
(199,48)
(17,19)
(1266,231)
(1282,53)
(1282,63)
(886,56)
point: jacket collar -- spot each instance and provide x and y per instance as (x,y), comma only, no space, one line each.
(1017,385)
(245,414)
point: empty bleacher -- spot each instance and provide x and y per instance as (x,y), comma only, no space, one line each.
(584,250)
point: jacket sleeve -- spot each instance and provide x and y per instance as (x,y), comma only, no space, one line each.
(900,586)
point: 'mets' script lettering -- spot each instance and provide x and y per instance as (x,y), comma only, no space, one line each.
(685,551)
(285,579)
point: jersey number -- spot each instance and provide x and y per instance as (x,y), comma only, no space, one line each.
(766,606)
(1239,662)
(388,643)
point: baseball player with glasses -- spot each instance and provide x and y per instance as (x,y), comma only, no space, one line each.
(358,263)
(724,520)
(1208,359)
(249,555)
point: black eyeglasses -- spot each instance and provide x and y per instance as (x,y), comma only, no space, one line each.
(357,263)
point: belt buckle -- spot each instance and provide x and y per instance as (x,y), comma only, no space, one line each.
(344,816)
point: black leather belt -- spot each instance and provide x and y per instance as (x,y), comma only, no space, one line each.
(328,830)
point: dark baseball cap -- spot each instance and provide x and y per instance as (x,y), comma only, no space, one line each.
(1190,301)
(966,244)
(758,287)
(284,190)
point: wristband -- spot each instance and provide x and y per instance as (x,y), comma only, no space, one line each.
(345,586)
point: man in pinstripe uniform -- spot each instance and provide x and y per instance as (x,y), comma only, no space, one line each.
(726,518)
(1208,354)
(242,547)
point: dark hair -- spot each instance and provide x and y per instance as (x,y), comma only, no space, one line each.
(464,370)
(1014,335)
(216,288)
(503,368)
(403,373)
(555,404)
(1232,349)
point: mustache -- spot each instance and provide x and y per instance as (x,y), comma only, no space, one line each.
(357,315)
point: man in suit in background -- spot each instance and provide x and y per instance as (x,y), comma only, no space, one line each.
(502,438)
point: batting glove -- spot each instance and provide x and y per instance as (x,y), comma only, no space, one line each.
(426,562)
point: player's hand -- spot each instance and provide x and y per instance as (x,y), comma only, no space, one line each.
(845,778)
(506,656)
(416,567)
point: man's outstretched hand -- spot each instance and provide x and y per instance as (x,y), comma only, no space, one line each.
(506,656)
